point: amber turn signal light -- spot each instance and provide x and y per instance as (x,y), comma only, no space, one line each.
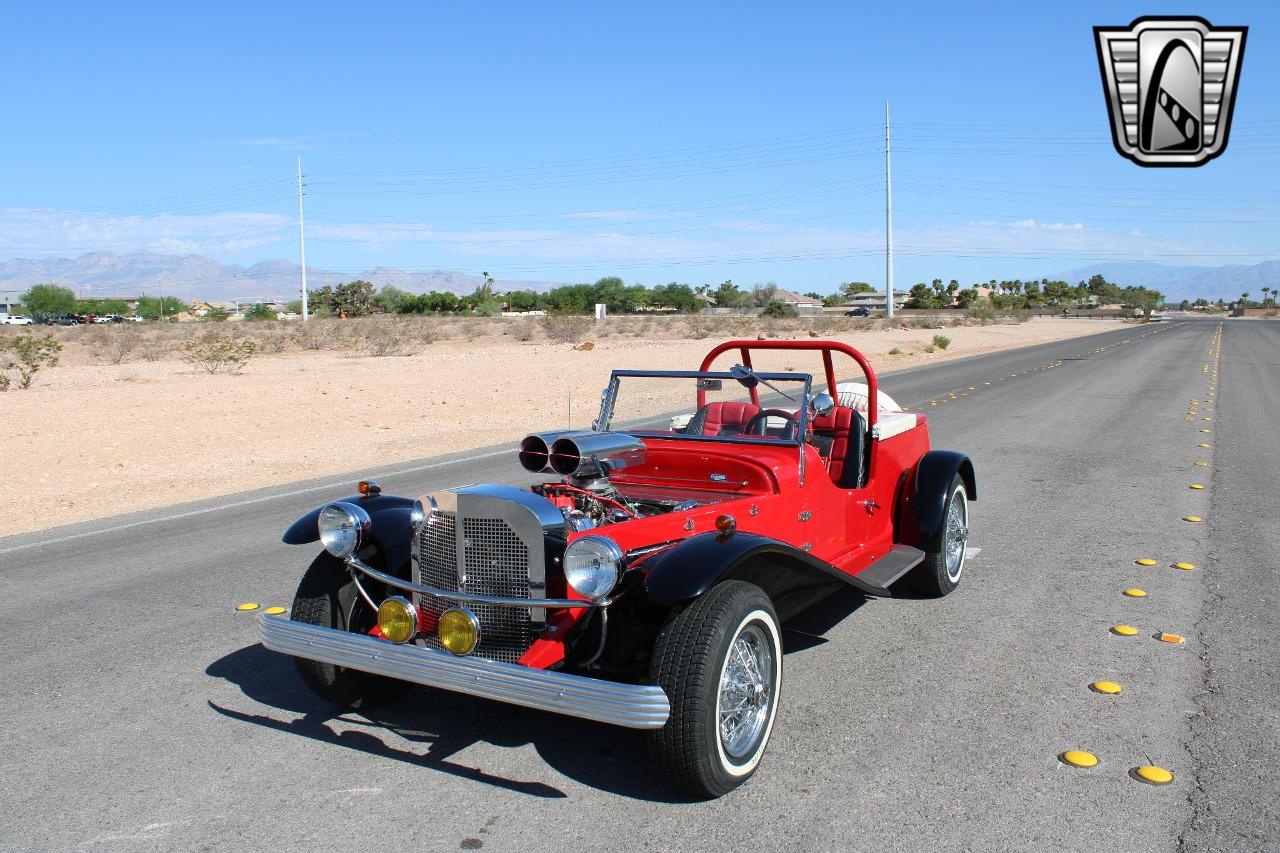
(726,524)
(368,488)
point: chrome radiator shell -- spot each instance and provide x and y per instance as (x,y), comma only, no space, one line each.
(487,540)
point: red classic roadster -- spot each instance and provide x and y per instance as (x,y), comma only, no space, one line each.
(645,583)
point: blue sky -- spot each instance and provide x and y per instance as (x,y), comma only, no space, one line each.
(564,141)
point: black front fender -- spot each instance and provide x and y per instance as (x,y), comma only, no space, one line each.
(793,578)
(928,494)
(390,519)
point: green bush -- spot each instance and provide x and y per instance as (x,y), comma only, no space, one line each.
(941,341)
(260,313)
(23,356)
(982,310)
(218,352)
(895,351)
(781,310)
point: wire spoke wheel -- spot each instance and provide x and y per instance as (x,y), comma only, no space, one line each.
(957,535)
(746,691)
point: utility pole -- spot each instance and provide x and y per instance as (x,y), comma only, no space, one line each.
(302,244)
(888,220)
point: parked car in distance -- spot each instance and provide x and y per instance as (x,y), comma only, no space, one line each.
(133,319)
(14,320)
(857,312)
(63,320)
(645,582)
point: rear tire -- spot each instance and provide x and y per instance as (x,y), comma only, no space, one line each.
(327,597)
(944,559)
(719,660)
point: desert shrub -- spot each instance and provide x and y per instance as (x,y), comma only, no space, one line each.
(926,323)
(24,355)
(895,351)
(275,338)
(116,345)
(218,352)
(566,328)
(981,311)
(941,341)
(780,310)
(930,348)
(698,327)
(320,334)
(381,340)
(216,315)
(524,331)
(154,349)
(1019,315)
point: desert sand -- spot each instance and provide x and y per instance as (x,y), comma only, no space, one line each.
(90,440)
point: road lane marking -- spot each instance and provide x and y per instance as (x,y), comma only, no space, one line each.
(237,504)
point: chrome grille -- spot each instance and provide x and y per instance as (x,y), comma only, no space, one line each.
(495,561)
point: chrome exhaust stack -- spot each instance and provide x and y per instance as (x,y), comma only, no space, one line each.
(595,454)
(535,449)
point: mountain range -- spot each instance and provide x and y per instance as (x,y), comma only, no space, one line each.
(1178,283)
(193,276)
(196,277)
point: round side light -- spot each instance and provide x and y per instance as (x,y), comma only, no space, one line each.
(398,619)
(458,630)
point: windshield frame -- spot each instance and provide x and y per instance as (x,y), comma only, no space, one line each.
(610,395)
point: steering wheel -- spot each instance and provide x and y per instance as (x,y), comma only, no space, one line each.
(759,423)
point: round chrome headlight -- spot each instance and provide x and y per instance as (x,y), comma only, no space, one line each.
(343,528)
(592,565)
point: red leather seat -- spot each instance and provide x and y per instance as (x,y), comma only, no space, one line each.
(846,430)
(722,418)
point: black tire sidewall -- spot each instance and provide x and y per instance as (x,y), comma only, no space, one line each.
(689,660)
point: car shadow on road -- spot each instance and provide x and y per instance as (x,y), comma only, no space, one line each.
(439,725)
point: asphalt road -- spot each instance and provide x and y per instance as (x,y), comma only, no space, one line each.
(140,712)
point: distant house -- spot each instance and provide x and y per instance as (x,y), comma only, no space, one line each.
(875,300)
(201,308)
(802,304)
(10,300)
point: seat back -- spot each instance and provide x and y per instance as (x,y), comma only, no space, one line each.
(846,430)
(722,418)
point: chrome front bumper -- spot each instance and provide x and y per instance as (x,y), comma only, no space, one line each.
(635,706)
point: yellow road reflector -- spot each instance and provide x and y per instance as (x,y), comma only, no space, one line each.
(248,605)
(1200,463)
(1153,775)
(1145,561)
(1186,567)
(933,402)
(273,611)
(1078,758)
(1196,486)
(1194,519)
(1170,638)
(1206,419)
(1206,430)
(1204,444)
(1108,687)
(1134,592)
(1124,630)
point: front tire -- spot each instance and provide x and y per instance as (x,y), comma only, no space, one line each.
(719,660)
(327,597)
(943,564)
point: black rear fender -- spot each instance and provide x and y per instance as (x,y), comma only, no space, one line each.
(925,492)
(793,579)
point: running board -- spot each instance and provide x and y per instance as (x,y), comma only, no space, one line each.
(883,572)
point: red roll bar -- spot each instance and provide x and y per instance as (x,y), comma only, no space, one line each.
(825,347)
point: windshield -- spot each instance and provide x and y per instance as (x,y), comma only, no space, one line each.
(718,406)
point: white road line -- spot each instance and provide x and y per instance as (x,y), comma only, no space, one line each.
(236,504)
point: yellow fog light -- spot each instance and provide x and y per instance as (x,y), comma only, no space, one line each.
(397,619)
(458,630)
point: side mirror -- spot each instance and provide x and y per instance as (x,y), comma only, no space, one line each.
(821,404)
(745,377)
